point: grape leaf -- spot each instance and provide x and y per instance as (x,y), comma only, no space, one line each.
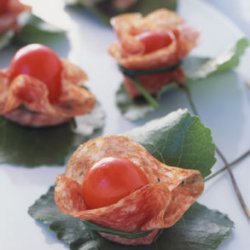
(223,62)
(176,139)
(105,9)
(200,227)
(196,68)
(33,147)
(36,30)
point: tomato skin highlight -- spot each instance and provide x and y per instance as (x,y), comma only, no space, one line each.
(39,62)
(4,5)
(110,180)
(154,40)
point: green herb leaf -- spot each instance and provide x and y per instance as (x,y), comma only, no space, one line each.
(105,9)
(5,38)
(176,140)
(226,61)
(36,30)
(199,228)
(33,147)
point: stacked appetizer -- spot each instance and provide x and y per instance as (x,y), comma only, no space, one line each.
(40,89)
(149,49)
(115,182)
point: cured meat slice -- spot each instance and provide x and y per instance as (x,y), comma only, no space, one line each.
(9,19)
(25,98)
(159,204)
(131,52)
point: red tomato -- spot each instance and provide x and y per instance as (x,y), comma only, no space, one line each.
(154,40)
(40,62)
(111,179)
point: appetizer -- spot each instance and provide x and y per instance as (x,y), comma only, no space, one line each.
(10,11)
(40,89)
(114,182)
(149,50)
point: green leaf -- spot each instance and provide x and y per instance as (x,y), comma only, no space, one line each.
(225,61)
(33,147)
(36,30)
(199,228)
(5,38)
(178,139)
(67,228)
(105,9)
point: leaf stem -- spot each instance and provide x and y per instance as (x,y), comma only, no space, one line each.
(239,195)
(235,185)
(239,159)
(145,93)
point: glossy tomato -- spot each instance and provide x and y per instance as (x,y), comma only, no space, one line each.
(154,40)
(40,62)
(4,4)
(111,179)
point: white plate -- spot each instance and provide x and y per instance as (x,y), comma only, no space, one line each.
(223,104)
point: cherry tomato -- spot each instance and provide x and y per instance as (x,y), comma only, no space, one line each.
(40,62)
(4,4)
(111,179)
(154,40)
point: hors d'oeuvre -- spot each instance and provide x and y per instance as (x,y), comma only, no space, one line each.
(149,50)
(116,183)
(122,187)
(39,89)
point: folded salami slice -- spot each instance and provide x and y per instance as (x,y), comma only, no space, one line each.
(9,14)
(160,39)
(160,203)
(25,99)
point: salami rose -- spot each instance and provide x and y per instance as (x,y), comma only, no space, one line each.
(39,89)
(159,40)
(155,197)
